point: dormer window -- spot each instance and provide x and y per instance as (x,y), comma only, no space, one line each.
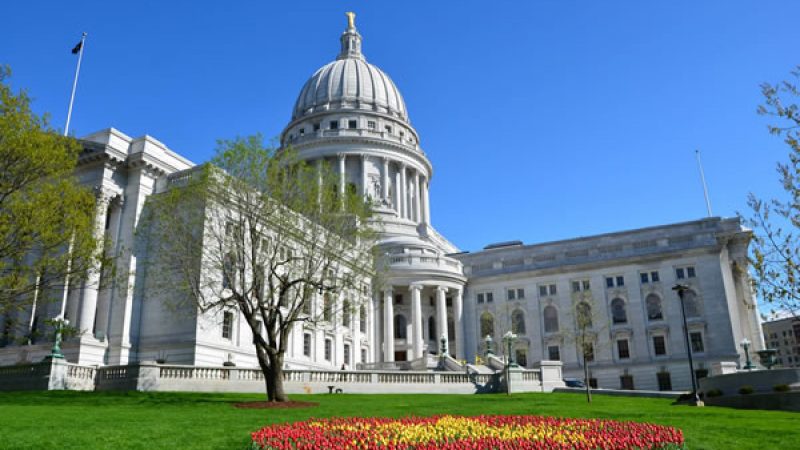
(333,125)
(388,129)
(316,126)
(302,131)
(371,124)
(352,124)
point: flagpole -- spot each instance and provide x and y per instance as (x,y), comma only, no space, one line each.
(74,84)
(703,180)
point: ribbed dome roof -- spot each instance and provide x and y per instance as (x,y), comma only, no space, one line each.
(350,83)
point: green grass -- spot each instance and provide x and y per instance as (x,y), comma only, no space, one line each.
(180,420)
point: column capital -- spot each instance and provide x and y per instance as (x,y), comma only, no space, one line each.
(363,156)
(341,156)
(388,290)
(103,194)
(441,289)
(416,287)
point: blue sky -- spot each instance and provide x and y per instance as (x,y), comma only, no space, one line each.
(544,120)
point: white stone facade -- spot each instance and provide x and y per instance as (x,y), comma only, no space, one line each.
(350,116)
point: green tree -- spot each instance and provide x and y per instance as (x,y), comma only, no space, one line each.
(775,251)
(261,233)
(47,234)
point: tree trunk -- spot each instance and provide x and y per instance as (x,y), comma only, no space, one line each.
(264,363)
(276,375)
(586,379)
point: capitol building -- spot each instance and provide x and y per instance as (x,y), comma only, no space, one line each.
(433,298)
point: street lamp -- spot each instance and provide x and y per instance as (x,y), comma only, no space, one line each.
(508,340)
(681,289)
(489,343)
(442,351)
(746,346)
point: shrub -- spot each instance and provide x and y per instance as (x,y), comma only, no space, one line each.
(714,393)
(781,388)
(746,390)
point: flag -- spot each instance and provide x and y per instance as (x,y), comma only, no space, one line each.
(77,47)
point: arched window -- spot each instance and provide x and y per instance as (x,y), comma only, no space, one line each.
(518,322)
(362,317)
(618,314)
(400,326)
(583,315)
(653,303)
(550,319)
(431,329)
(691,304)
(487,325)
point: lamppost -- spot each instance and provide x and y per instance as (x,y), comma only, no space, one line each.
(489,343)
(442,351)
(746,346)
(508,340)
(681,289)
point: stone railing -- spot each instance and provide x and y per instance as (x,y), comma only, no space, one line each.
(149,376)
(408,260)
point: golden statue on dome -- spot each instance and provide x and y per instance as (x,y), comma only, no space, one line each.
(351,20)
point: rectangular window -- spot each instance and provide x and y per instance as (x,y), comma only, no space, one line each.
(480,298)
(609,282)
(620,281)
(552,289)
(690,272)
(328,349)
(654,276)
(622,349)
(626,382)
(679,274)
(227,325)
(659,345)
(696,339)
(307,344)
(644,278)
(512,294)
(352,124)
(302,131)
(346,354)
(316,126)
(371,125)
(576,286)
(489,297)
(664,381)
(520,294)
(388,129)
(586,286)
(333,125)
(398,299)
(615,281)
(553,353)
(547,289)
(363,355)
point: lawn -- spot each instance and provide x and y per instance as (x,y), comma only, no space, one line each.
(180,420)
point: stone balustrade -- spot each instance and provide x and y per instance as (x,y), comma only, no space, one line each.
(149,376)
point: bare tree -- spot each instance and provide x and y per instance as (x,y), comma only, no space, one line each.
(775,251)
(260,232)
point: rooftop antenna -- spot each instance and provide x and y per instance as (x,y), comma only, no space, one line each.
(703,180)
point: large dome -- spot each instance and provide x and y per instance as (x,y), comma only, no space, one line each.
(350,83)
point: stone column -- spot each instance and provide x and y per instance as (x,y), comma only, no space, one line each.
(319,180)
(355,331)
(385,175)
(364,181)
(458,322)
(398,203)
(403,191)
(426,200)
(92,282)
(374,330)
(417,198)
(416,321)
(342,176)
(441,315)
(388,326)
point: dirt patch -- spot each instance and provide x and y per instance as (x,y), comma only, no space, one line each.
(275,405)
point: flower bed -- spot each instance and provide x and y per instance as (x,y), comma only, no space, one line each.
(458,432)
